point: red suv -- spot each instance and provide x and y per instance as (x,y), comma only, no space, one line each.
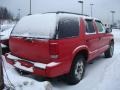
(56,44)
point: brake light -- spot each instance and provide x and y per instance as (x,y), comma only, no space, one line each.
(54,50)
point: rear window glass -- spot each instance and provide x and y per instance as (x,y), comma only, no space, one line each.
(38,26)
(89,26)
(68,27)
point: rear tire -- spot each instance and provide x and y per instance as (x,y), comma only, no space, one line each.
(110,50)
(77,71)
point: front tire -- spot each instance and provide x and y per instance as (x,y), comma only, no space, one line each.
(77,71)
(109,52)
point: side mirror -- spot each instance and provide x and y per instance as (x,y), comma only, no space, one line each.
(108,30)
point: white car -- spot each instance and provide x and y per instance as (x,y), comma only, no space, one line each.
(4,36)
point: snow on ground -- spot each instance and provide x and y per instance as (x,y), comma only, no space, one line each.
(21,82)
(103,74)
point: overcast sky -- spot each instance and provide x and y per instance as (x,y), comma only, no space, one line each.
(101,8)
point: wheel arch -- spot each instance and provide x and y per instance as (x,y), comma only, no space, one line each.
(83,52)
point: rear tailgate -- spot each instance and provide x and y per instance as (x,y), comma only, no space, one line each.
(30,49)
(24,42)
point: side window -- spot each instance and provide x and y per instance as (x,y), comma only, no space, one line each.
(100,27)
(68,27)
(89,26)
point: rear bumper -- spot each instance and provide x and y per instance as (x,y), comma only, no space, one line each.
(52,69)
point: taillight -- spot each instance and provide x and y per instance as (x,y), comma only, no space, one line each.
(54,50)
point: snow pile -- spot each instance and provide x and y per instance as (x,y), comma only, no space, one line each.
(21,82)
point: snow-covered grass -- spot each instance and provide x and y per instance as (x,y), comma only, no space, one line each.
(103,74)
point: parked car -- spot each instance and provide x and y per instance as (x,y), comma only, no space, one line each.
(5,27)
(57,44)
(4,37)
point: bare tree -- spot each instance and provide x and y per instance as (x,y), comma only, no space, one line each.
(5,14)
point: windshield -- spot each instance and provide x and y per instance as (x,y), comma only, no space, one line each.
(37,26)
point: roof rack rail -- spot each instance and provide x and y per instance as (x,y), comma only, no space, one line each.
(71,13)
(67,12)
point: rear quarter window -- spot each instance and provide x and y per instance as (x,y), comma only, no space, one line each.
(68,27)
